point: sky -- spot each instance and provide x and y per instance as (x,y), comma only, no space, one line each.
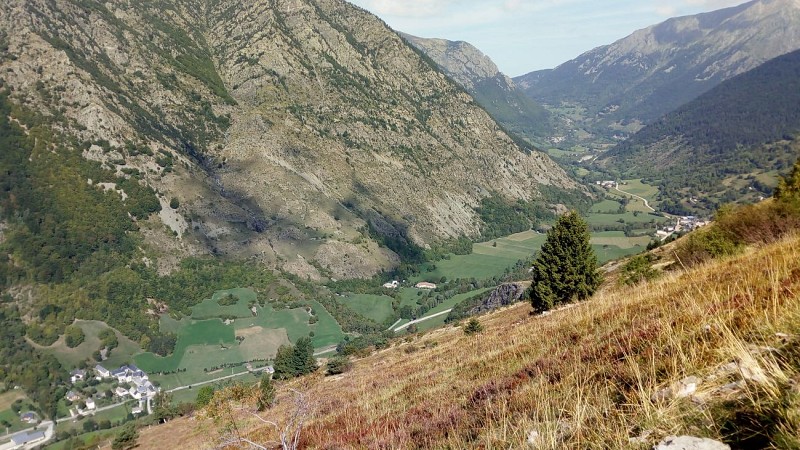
(526,35)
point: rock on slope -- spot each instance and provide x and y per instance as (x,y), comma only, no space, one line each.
(492,89)
(286,128)
(657,69)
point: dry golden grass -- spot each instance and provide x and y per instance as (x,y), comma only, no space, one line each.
(582,377)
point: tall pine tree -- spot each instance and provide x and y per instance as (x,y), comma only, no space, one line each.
(566,268)
(284,367)
(303,357)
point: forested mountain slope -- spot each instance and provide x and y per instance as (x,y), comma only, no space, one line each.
(741,129)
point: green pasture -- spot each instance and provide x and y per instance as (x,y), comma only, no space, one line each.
(209,343)
(636,187)
(605,207)
(488,259)
(614,219)
(210,308)
(375,307)
(9,416)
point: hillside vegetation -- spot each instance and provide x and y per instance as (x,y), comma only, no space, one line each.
(743,128)
(710,349)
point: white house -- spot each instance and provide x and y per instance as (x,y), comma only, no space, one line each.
(121,391)
(425,285)
(392,285)
(90,404)
(77,375)
(101,372)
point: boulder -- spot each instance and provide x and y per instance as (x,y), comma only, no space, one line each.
(690,443)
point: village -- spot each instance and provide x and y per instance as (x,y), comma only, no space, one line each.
(91,391)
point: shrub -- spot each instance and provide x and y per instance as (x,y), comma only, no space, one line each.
(337,365)
(174,203)
(73,336)
(638,269)
(473,327)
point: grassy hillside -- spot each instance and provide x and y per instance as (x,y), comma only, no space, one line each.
(595,375)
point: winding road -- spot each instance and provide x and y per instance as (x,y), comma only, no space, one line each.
(646,204)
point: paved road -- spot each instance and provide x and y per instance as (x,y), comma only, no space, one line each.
(421,319)
(640,198)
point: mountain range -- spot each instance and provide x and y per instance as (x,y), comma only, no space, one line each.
(634,81)
(724,141)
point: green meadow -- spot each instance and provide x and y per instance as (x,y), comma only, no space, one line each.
(205,341)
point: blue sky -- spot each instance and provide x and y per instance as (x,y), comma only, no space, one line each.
(526,35)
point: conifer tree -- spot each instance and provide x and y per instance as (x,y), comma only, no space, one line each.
(266,393)
(303,357)
(566,268)
(284,367)
(788,189)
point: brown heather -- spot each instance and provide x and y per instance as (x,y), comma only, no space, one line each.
(582,377)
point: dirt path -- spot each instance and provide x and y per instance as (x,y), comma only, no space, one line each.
(646,204)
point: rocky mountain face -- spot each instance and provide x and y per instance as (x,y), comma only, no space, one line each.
(492,89)
(299,133)
(653,71)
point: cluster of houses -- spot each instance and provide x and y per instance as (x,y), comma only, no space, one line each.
(608,184)
(141,386)
(683,224)
(421,285)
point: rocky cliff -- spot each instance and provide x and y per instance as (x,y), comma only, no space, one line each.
(296,132)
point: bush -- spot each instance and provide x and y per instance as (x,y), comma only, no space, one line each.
(702,245)
(73,336)
(638,269)
(174,203)
(473,327)
(337,365)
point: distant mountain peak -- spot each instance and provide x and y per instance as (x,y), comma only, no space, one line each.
(658,68)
